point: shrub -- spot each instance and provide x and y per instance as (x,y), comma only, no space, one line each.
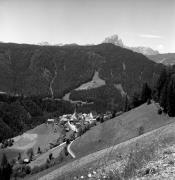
(6,168)
(50,156)
(30,154)
(140,130)
(148,101)
(87,127)
(27,169)
(21,171)
(65,151)
(39,150)
(19,156)
(159,111)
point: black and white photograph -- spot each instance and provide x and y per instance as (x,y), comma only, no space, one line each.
(87,89)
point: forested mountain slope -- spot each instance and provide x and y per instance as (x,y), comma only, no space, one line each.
(53,71)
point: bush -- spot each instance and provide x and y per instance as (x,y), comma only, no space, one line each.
(30,154)
(93,124)
(39,150)
(87,127)
(159,111)
(21,171)
(50,156)
(65,151)
(27,169)
(140,130)
(148,101)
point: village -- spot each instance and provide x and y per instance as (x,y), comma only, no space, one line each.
(52,143)
(74,125)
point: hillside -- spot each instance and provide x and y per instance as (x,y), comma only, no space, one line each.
(117,142)
(166,59)
(40,136)
(147,51)
(127,126)
(54,71)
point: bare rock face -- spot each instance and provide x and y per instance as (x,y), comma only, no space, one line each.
(114,39)
(145,50)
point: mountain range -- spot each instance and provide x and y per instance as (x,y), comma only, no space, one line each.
(154,55)
(114,39)
(167,59)
(53,71)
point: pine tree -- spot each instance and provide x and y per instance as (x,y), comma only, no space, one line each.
(163,97)
(146,93)
(6,169)
(136,100)
(171,97)
(19,156)
(4,161)
(161,81)
(126,104)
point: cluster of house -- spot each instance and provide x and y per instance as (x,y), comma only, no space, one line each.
(73,122)
(76,120)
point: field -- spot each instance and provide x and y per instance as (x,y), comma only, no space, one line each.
(40,136)
(94,83)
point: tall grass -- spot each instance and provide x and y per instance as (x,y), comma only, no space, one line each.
(138,155)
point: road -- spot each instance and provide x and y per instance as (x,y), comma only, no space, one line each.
(70,151)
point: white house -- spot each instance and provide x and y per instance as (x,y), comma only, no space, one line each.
(72,127)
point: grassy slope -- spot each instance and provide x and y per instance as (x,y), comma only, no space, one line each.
(120,129)
(10,153)
(45,135)
(114,132)
(105,158)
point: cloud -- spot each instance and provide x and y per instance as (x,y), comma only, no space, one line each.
(160,47)
(151,36)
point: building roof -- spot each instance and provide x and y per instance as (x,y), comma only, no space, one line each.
(51,120)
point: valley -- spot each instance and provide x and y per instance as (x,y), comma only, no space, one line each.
(87,90)
(72,108)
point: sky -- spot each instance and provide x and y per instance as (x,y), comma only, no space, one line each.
(137,22)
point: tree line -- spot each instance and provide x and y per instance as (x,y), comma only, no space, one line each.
(162,92)
(18,114)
